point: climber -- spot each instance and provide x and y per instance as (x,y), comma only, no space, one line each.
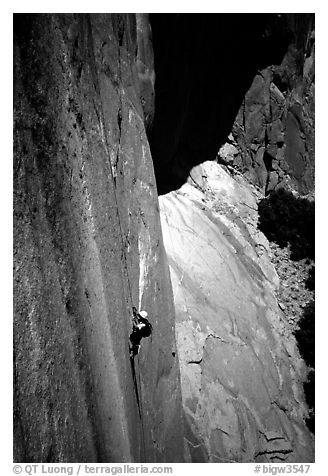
(141,328)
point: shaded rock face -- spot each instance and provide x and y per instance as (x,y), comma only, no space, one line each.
(249,75)
(88,246)
(241,372)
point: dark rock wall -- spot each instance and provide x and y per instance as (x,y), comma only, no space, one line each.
(88,246)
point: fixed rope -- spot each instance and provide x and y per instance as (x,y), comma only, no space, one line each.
(137,381)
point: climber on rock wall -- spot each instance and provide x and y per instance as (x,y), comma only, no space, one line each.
(141,328)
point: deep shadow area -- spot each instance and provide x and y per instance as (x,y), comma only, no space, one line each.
(204,65)
(286,219)
(305,337)
(289,220)
(310,281)
(305,334)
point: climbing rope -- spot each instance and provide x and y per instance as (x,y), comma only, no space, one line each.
(135,369)
(137,381)
(143,449)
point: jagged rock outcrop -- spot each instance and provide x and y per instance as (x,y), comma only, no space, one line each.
(88,246)
(241,372)
(272,139)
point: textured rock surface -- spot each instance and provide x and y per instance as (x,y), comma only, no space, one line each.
(240,368)
(274,128)
(293,293)
(87,242)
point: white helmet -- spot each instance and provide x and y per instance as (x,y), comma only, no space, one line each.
(143,314)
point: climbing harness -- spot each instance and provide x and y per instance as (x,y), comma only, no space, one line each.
(141,328)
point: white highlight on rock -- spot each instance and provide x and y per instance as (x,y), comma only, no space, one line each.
(144,246)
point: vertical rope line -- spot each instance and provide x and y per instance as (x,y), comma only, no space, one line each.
(117,209)
(143,448)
